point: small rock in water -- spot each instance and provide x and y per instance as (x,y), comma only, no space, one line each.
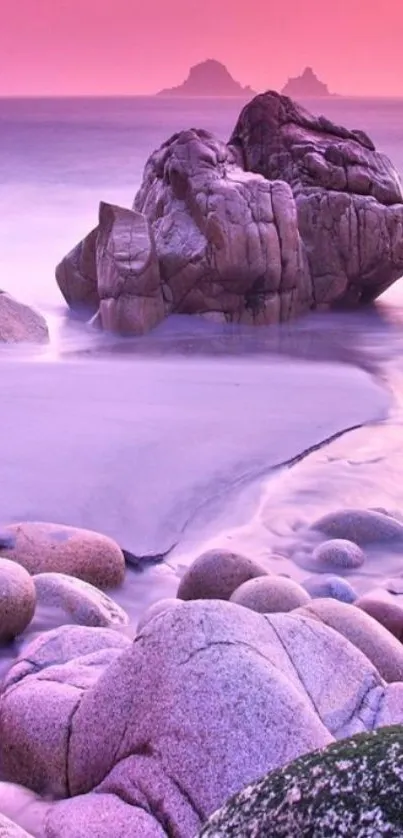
(337,554)
(56,548)
(330,586)
(17,600)
(270,594)
(351,788)
(83,602)
(216,575)
(362,526)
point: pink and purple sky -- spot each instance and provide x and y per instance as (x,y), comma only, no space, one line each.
(62,47)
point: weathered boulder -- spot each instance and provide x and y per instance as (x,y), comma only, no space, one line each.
(17,599)
(208,698)
(56,548)
(41,694)
(375,641)
(76,275)
(293,214)
(227,240)
(79,601)
(128,274)
(20,323)
(352,787)
(348,195)
(385,608)
(114,271)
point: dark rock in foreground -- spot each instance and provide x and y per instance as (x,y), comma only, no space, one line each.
(294,214)
(354,787)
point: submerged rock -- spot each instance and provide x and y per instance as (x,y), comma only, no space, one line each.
(56,548)
(330,586)
(20,323)
(353,787)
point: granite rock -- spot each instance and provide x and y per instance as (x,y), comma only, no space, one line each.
(352,787)
(79,601)
(17,601)
(55,548)
(20,323)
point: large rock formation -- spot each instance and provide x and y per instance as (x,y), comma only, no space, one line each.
(306,85)
(209,78)
(295,213)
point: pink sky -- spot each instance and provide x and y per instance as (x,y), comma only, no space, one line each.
(135,46)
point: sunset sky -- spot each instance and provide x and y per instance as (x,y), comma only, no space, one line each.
(133,46)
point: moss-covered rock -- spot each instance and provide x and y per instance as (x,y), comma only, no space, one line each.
(351,788)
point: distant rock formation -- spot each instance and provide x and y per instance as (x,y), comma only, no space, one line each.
(306,85)
(210,78)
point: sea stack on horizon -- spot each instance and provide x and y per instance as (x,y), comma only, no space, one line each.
(305,86)
(209,78)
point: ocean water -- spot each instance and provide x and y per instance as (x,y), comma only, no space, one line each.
(177,440)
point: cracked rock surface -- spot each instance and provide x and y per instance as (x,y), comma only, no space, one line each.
(293,214)
(157,734)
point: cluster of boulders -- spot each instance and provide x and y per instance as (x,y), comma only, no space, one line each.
(61,567)
(244,675)
(292,214)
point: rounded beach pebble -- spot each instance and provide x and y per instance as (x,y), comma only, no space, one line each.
(330,586)
(337,554)
(55,548)
(270,594)
(216,575)
(80,601)
(350,788)
(155,609)
(378,644)
(362,526)
(17,600)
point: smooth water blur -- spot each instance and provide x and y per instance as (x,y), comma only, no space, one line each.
(191,417)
